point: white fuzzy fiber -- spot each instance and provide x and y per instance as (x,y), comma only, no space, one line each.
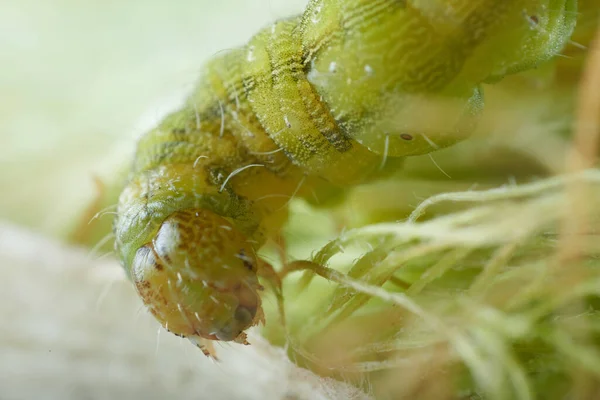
(73,328)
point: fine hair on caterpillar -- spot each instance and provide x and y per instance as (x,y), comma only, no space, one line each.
(309,106)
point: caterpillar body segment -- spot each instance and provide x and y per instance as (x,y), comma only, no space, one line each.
(312,104)
(423,58)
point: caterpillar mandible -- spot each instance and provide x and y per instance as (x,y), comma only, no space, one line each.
(310,104)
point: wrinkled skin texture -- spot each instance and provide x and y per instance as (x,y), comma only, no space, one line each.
(312,104)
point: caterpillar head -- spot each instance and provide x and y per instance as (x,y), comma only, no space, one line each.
(197,276)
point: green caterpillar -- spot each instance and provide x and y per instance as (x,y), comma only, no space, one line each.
(331,98)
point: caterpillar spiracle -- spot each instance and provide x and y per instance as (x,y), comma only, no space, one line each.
(310,104)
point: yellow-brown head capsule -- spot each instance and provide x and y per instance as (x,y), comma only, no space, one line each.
(198,277)
(189,249)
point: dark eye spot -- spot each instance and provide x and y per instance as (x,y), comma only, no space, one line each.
(406,136)
(246,260)
(248,265)
(534,19)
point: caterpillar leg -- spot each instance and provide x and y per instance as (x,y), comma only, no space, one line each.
(205,345)
(92,228)
(281,248)
(270,275)
(83,230)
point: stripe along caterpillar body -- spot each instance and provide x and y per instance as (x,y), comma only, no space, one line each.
(310,104)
